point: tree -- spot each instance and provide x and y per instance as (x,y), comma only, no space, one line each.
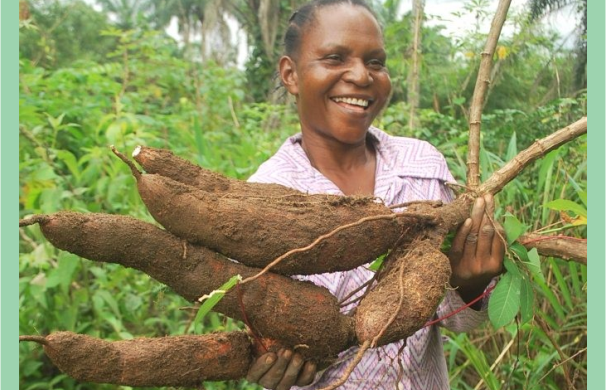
(46,35)
(413,75)
(540,8)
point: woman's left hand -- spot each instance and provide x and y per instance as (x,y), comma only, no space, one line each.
(476,254)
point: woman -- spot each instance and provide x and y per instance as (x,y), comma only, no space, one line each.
(334,66)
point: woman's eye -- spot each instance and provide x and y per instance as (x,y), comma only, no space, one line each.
(334,57)
(376,63)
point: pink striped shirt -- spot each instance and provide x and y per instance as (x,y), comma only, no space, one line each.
(407,169)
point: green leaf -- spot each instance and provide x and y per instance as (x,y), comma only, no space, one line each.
(105,296)
(526,301)
(513,228)
(132,302)
(55,122)
(70,160)
(567,205)
(63,273)
(534,265)
(458,100)
(512,149)
(519,250)
(546,169)
(213,298)
(583,197)
(512,268)
(504,301)
(377,263)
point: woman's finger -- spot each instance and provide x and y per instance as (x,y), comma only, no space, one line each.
(485,240)
(274,375)
(471,241)
(260,367)
(307,374)
(458,242)
(292,373)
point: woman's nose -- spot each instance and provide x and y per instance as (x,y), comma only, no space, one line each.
(358,74)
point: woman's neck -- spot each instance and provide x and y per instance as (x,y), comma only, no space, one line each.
(349,167)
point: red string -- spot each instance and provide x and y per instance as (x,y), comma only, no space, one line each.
(245,318)
(486,292)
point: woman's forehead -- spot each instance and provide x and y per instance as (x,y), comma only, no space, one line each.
(344,17)
(334,22)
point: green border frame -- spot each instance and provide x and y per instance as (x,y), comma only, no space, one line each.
(596,164)
(9,266)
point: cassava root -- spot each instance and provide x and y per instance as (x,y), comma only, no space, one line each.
(277,307)
(257,229)
(405,298)
(163,361)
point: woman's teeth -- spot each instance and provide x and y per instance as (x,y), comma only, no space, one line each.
(352,101)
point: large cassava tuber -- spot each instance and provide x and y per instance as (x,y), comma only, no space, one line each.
(412,290)
(293,312)
(162,361)
(256,229)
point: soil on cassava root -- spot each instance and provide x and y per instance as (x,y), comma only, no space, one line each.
(256,223)
(162,361)
(411,290)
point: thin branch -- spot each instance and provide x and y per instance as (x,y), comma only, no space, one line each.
(562,362)
(344,302)
(538,149)
(477,102)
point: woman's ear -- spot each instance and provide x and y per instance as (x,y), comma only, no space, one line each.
(288,75)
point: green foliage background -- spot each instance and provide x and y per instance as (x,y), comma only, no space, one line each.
(86,84)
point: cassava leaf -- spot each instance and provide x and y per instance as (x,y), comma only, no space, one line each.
(513,228)
(526,300)
(512,268)
(504,301)
(534,264)
(530,259)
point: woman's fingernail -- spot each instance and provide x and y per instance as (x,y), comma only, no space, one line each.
(269,359)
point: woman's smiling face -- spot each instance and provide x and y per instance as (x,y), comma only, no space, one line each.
(338,75)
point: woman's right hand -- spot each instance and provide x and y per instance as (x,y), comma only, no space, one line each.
(281,371)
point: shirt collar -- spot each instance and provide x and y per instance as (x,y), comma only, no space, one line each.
(396,156)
